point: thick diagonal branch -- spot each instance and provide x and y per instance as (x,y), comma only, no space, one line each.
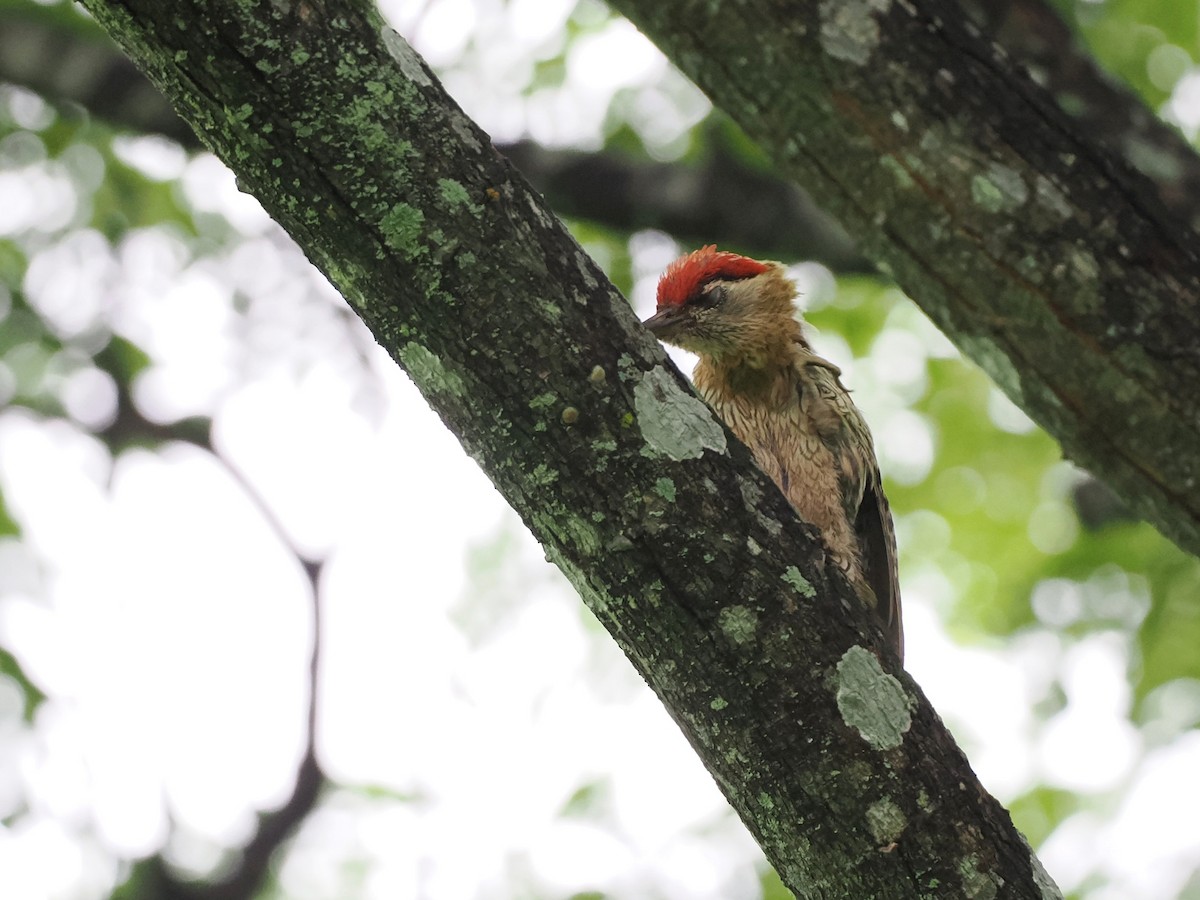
(686,552)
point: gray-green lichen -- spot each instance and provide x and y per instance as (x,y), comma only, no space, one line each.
(584,266)
(752,497)
(674,423)
(849,29)
(406,58)
(1052,198)
(543,401)
(402,229)
(801,584)
(718,703)
(543,475)
(598,601)
(455,195)
(871,701)
(896,168)
(1084,263)
(569,529)
(1001,189)
(739,624)
(428,371)
(665,488)
(976,883)
(1150,159)
(886,821)
(463,129)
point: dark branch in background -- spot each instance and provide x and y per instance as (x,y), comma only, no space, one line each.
(67,59)
(58,53)
(721,199)
(718,200)
(1037,36)
(153,878)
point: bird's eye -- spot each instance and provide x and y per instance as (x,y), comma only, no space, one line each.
(712,295)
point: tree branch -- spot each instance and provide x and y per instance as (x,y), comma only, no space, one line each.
(153,878)
(1038,251)
(684,550)
(719,199)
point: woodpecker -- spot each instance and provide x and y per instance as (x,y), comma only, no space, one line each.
(787,404)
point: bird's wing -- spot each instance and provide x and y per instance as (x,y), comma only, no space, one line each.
(877,538)
(845,432)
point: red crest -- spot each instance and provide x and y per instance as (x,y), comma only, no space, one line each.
(684,277)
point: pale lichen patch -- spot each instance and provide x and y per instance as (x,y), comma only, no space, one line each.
(849,29)
(897,170)
(674,423)
(977,884)
(1052,198)
(428,371)
(1153,160)
(406,58)
(569,529)
(1084,263)
(802,585)
(718,703)
(739,624)
(402,228)
(871,701)
(752,497)
(585,270)
(1001,189)
(665,488)
(543,401)
(455,195)
(543,475)
(886,821)
(462,128)
(986,194)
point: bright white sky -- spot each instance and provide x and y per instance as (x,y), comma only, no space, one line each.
(156,605)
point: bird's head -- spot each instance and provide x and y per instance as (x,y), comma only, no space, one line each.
(723,305)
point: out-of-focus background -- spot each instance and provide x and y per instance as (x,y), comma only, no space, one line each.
(205,460)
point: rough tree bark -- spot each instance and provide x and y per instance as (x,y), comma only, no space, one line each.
(1046,259)
(685,551)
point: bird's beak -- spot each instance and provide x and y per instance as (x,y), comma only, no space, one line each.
(665,323)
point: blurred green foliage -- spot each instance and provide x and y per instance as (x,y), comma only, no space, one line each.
(1148,44)
(994,514)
